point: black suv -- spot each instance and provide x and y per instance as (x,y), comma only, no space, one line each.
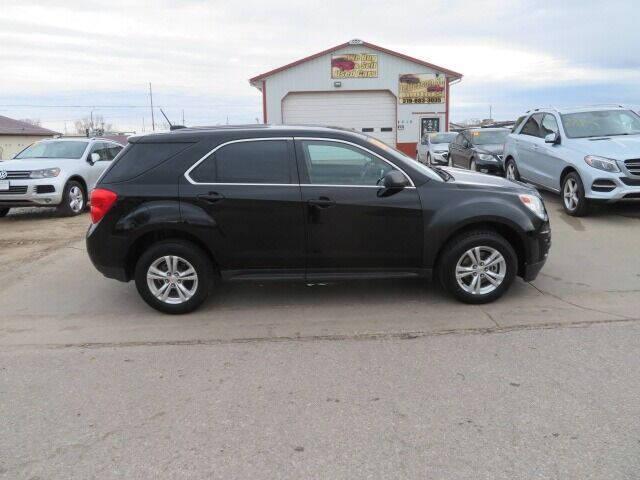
(175,211)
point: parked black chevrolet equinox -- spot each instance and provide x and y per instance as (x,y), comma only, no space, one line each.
(177,210)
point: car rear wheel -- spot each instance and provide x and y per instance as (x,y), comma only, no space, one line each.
(174,276)
(511,171)
(73,199)
(573,199)
(4,211)
(478,267)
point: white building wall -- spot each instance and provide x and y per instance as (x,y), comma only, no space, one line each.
(315,75)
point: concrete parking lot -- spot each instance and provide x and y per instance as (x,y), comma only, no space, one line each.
(358,380)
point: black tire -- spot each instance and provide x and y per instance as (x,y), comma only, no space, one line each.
(194,255)
(4,211)
(582,207)
(456,250)
(511,163)
(428,159)
(68,207)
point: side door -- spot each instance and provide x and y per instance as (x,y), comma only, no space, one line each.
(467,152)
(247,192)
(549,155)
(527,144)
(352,224)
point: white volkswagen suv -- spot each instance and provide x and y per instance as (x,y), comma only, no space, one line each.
(57,172)
(587,154)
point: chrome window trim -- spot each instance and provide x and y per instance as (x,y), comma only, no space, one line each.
(323,139)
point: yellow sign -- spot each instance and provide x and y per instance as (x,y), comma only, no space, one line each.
(421,88)
(354,65)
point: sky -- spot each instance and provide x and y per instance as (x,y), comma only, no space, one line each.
(64,60)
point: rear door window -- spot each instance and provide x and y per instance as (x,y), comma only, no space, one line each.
(532,127)
(257,161)
(139,158)
(549,125)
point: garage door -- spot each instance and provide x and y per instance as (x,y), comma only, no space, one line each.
(373,112)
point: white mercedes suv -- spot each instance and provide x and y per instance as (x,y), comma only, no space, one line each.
(587,154)
(58,172)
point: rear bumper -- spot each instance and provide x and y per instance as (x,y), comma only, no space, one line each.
(108,255)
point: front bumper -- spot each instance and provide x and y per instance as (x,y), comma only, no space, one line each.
(538,245)
(25,193)
(490,167)
(440,158)
(619,189)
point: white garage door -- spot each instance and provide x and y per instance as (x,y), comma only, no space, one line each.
(373,112)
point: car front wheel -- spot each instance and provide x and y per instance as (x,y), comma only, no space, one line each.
(73,199)
(573,199)
(478,267)
(174,276)
(4,211)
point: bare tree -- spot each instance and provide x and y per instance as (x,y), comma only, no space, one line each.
(31,121)
(96,127)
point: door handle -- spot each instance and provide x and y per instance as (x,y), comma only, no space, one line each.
(211,197)
(322,202)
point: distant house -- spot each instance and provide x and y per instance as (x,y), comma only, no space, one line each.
(16,135)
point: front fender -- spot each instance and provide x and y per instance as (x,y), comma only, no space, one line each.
(446,221)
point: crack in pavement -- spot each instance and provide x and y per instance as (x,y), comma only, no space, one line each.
(577,305)
(315,338)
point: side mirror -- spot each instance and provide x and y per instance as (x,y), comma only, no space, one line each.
(395,180)
(553,138)
(93,158)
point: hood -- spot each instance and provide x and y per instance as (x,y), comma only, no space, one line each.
(436,147)
(620,147)
(35,164)
(495,149)
(467,178)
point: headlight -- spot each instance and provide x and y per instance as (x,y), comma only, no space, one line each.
(45,173)
(486,157)
(602,163)
(534,204)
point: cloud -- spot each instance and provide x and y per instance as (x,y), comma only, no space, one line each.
(203,52)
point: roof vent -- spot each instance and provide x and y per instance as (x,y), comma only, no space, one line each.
(356,41)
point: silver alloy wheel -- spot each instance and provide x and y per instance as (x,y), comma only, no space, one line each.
(76,199)
(473,167)
(511,172)
(173,280)
(571,199)
(480,270)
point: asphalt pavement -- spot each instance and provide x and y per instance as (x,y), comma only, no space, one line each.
(389,379)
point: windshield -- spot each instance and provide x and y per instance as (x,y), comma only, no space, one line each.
(442,137)
(602,123)
(488,137)
(51,149)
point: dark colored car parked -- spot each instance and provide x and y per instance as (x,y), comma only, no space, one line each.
(176,211)
(479,150)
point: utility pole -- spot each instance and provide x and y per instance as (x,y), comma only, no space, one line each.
(153,121)
(490,112)
(143,124)
(183,116)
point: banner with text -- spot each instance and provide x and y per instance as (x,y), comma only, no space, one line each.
(421,88)
(354,65)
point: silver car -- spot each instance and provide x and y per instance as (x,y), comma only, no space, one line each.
(57,172)
(434,148)
(586,154)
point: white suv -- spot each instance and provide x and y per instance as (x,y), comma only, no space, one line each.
(58,172)
(587,154)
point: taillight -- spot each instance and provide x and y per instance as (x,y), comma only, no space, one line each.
(101,202)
